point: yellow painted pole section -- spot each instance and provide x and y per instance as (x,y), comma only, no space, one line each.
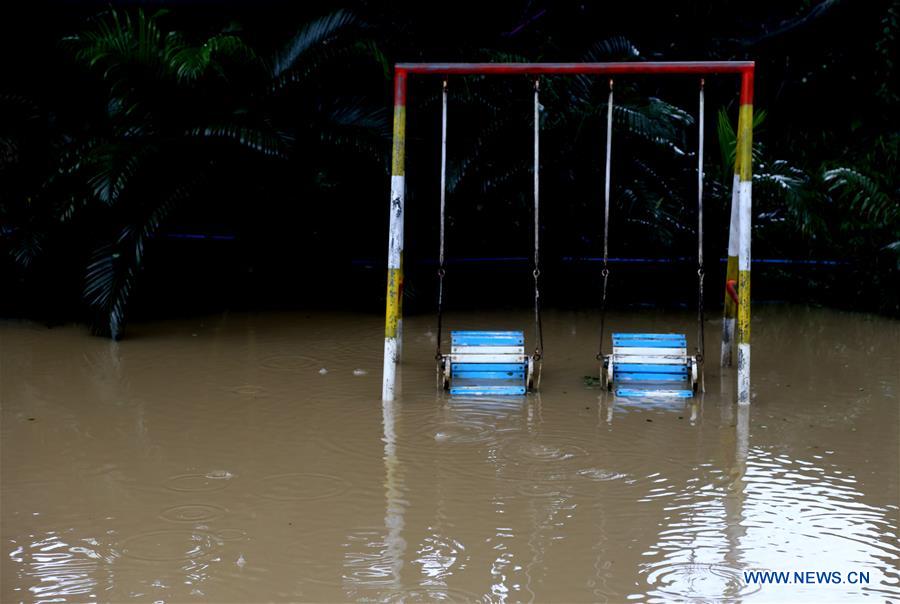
(394,299)
(398,154)
(745,161)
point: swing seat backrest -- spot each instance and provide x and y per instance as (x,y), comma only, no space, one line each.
(640,354)
(650,357)
(488,362)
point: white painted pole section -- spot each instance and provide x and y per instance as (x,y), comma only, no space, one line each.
(745,227)
(390,369)
(733,235)
(395,250)
(728,324)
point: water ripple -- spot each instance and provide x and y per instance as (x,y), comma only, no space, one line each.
(169,545)
(199,483)
(290,362)
(301,486)
(703,582)
(192,512)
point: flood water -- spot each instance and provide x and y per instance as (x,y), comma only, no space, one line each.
(249,458)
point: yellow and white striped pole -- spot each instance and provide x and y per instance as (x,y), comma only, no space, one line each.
(744,160)
(393,324)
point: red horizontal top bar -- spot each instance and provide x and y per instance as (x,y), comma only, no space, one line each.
(675,67)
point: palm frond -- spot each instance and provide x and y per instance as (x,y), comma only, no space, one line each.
(652,123)
(616,47)
(502,56)
(471,160)
(352,125)
(727,144)
(781,175)
(117,40)
(72,204)
(355,112)
(316,32)
(728,140)
(373,50)
(112,271)
(657,181)
(864,194)
(191,62)
(307,67)
(269,142)
(894,248)
(27,246)
(113,167)
(98,169)
(782,194)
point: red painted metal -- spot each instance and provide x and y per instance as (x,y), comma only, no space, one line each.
(646,67)
(731,288)
(747,88)
(399,87)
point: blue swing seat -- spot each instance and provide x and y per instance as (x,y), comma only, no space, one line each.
(651,365)
(487,363)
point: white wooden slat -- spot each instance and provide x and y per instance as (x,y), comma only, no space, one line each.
(480,350)
(487,358)
(657,352)
(654,359)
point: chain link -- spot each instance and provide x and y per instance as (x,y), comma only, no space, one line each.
(538,327)
(606,198)
(441,271)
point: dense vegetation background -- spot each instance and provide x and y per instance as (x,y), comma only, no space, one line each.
(163,157)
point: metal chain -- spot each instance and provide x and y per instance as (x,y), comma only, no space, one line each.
(441,271)
(539,350)
(605,271)
(700,270)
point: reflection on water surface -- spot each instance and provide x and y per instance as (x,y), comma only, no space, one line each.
(214,460)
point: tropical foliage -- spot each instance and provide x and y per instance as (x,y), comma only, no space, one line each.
(177,114)
(166,123)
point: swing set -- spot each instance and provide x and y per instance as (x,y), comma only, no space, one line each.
(640,364)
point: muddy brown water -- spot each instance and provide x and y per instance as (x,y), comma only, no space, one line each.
(249,458)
